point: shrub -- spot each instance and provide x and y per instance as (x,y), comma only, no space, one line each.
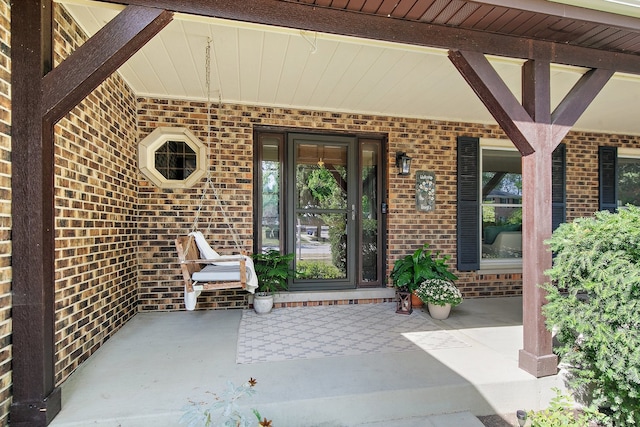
(594,304)
(562,413)
(317,270)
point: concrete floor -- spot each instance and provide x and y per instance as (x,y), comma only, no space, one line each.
(150,370)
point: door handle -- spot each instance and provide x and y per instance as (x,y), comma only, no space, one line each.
(353,212)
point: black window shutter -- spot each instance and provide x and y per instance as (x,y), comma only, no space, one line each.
(468,211)
(608,173)
(558,186)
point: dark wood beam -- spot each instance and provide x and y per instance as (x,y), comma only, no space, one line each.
(335,21)
(536,133)
(497,97)
(38,88)
(577,100)
(36,400)
(71,81)
(536,93)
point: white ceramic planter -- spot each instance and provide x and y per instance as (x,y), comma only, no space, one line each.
(262,304)
(439,312)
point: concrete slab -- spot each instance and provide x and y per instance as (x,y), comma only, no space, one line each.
(150,370)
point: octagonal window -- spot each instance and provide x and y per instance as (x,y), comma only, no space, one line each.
(172,157)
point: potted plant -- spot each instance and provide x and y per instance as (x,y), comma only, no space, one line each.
(409,272)
(440,295)
(273,271)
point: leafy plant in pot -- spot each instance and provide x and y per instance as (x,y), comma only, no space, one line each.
(409,272)
(273,270)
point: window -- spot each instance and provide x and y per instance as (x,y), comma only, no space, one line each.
(172,157)
(489,198)
(501,204)
(269,174)
(628,177)
(619,172)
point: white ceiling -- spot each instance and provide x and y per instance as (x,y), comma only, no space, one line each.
(254,64)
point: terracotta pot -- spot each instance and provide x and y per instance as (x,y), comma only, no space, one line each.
(439,312)
(416,302)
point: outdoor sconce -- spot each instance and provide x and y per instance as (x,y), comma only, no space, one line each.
(403,162)
(404,302)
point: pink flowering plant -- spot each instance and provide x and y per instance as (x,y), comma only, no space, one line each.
(439,292)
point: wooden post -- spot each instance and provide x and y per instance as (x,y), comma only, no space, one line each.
(537,356)
(40,97)
(36,400)
(536,133)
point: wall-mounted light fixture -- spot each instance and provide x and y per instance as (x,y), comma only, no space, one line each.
(403,162)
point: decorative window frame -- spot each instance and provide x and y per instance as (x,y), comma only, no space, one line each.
(156,139)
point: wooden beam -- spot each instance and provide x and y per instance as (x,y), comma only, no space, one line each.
(577,100)
(497,97)
(71,81)
(536,132)
(37,88)
(536,93)
(36,400)
(335,21)
(536,356)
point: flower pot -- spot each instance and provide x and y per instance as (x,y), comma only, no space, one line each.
(439,312)
(262,304)
(416,302)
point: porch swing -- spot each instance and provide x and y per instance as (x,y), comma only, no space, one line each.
(203,268)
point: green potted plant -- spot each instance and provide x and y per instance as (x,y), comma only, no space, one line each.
(273,271)
(439,295)
(409,272)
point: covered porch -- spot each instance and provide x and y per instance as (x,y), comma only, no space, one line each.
(48,298)
(147,373)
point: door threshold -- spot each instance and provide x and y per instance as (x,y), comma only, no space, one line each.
(335,297)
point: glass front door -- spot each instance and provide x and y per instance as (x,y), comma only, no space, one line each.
(323,211)
(320,197)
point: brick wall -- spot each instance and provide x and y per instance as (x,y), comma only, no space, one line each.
(5,212)
(96,213)
(431,144)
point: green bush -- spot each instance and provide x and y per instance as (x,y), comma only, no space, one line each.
(317,270)
(562,413)
(594,304)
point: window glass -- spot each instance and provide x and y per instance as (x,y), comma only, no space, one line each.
(501,214)
(175,160)
(628,181)
(172,157)
(271,194)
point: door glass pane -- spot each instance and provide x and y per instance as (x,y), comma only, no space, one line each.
(501,204)
(321,211)
(321,174)
(271,236)
(321,246)
(369,212)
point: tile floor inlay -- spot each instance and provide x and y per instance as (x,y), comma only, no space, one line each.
(336,330)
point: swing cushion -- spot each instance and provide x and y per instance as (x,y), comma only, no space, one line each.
(224,271)
(206,251)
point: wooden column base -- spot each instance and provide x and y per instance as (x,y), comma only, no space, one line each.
(538,366)
(36,413)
